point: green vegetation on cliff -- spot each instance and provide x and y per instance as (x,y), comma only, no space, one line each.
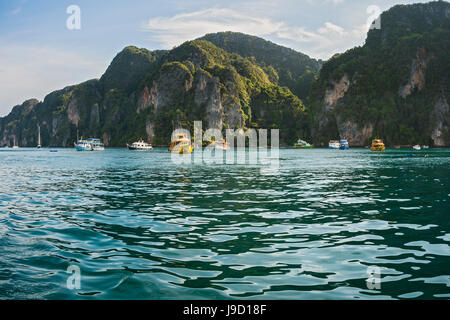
(224,89)
(129,68)
(284,66)
(397,83)
(147,94)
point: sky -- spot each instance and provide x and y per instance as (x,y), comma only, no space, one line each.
(39,53)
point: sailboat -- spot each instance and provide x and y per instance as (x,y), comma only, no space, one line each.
(139,146)
(15,146)
(39,137)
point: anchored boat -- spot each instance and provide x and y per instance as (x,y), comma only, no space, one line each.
(343,145)
(139,146)
(333,144)
(377,145)
(91,144)
(97,145)
(416,147)
(83,145)
(181,144)
(300,144)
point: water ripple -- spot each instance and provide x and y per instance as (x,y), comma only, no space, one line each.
(139,227)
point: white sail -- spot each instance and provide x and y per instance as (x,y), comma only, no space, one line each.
(39,136)
(15,146)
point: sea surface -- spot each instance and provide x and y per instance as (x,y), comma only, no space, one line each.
(329,225)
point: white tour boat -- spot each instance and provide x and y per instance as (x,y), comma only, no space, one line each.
(140,146)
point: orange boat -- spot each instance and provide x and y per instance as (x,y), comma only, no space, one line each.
(181,144)
(377,145)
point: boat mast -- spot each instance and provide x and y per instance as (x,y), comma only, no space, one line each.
(39,135)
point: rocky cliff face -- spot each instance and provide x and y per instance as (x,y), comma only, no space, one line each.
(395,87)
(207,96)
(417,79)
(336,92)
(9,135)
(332,122)
(146,95)
(200,81)
(356,135)
(441,122)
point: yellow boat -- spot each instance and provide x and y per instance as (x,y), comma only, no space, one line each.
(181,144)
(377,145)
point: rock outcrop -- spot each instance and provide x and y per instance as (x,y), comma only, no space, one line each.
(356,136)
(72,112)
(387,88)
(147,94)
(417,79)
(441,122)
(337,92)
(207,96)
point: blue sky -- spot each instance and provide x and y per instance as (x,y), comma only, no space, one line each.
(39,54)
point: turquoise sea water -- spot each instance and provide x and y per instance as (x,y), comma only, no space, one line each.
(140,227)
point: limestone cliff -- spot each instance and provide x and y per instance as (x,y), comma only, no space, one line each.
(336,92)
(417,79)
(147,94)
(441,122)
(395,87)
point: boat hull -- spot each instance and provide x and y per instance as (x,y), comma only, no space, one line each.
(89,145)
(377,145)
(333,145)
(83,148)
(300,144)
(139,149)
(182,149)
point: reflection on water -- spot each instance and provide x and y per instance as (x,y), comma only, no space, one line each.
(140,227)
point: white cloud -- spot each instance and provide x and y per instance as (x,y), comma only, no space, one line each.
(33,72)
(171,31)
(329,27)
(321,43)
